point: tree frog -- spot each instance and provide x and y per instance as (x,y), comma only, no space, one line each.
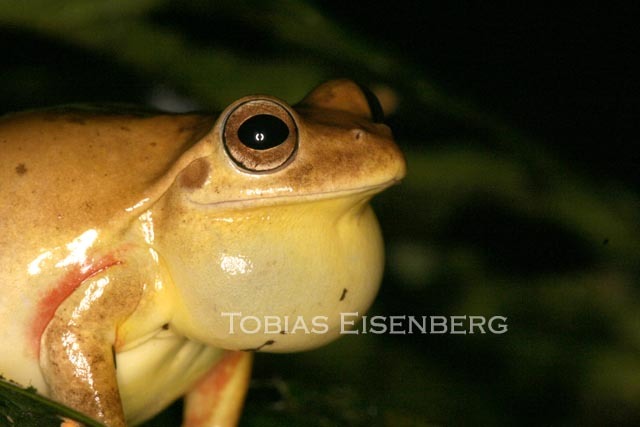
(147,256)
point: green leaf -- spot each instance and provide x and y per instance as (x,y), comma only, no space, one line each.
(24,407)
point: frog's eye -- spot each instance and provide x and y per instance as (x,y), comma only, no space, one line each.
(260,135)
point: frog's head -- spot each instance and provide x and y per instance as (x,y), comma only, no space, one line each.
(267,233)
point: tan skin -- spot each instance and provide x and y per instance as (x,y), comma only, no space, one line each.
(126,236)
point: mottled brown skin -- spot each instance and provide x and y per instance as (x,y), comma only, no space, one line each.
(103,169)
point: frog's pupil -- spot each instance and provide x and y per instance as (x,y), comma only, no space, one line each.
(263,131)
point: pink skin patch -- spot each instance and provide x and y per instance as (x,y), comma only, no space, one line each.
(70,282)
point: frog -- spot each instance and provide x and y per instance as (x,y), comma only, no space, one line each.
(147,256)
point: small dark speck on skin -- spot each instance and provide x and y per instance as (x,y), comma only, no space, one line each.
(21,169)
(165,326)
(344,294)
(187,128)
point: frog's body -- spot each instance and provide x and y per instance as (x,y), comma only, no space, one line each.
(128,242)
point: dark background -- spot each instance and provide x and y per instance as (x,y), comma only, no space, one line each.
(521,198)
(566,75)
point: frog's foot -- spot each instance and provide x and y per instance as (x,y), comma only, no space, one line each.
(217,398)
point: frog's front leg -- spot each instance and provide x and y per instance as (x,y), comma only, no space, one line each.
(77,353)
(218,397)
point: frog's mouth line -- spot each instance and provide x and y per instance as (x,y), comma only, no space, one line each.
(358,193)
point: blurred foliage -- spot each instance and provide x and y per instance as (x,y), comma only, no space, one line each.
(488,221)
(21,407)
